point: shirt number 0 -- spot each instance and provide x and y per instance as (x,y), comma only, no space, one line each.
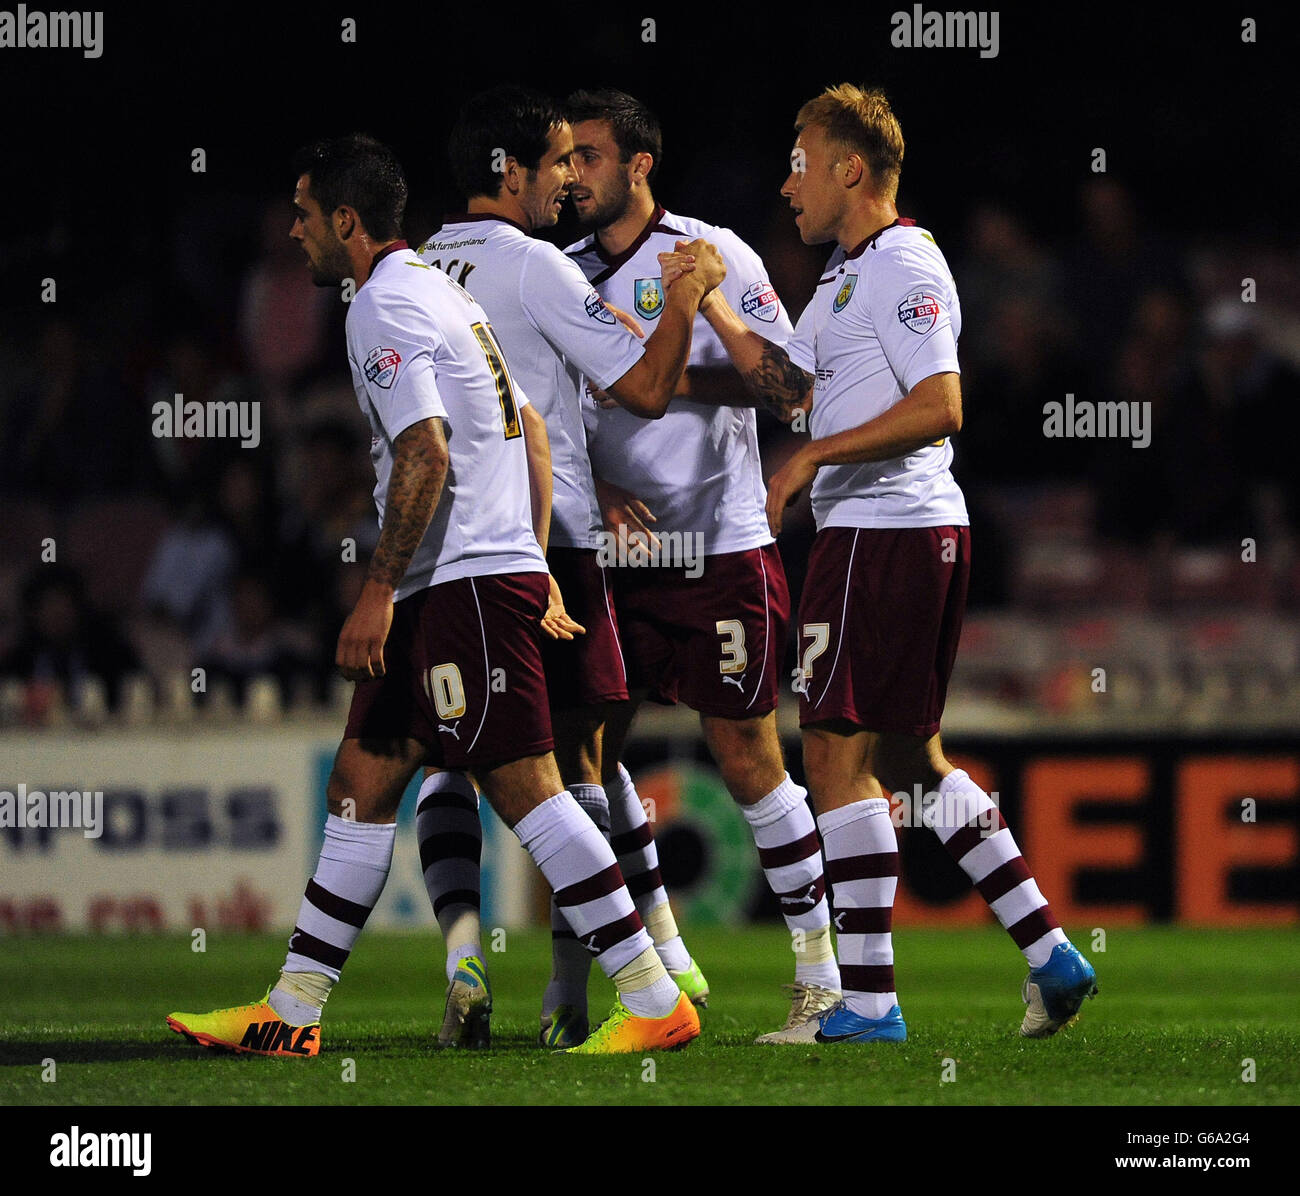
(444,688)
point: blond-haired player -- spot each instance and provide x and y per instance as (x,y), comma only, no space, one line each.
(873,363)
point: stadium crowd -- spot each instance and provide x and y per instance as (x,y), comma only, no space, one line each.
(126,553)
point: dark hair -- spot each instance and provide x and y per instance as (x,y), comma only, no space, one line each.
(635,128)
(358,171)
(508,120)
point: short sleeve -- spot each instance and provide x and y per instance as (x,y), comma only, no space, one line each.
(749,291)
(567,310)
(392,343)
(910,301)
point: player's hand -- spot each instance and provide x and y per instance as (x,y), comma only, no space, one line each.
(710,269)
(673,266)
(360,654)
(785,485)
(627,320)
(556,622)
(626,516)
(601,398)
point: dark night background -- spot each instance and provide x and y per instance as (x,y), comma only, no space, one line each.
(1122,285)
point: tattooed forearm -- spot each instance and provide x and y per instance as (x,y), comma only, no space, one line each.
(419,471)
(780,385)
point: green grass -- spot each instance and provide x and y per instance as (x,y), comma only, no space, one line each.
(1179,1010)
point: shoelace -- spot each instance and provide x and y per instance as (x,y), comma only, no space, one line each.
(617,1016)
(266,1000)
(804,994)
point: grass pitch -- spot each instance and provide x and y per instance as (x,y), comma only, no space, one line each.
(1180,1013)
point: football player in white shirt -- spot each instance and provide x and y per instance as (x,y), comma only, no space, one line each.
(510,152)
(710,629)
(873,363)
(454,595)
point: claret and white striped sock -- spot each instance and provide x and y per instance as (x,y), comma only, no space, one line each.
(638,859)
(570,960)
(451,849)
(862,864)
(582,872)
(975,834)
(791,856)
(354,863)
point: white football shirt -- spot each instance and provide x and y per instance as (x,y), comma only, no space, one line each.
(697,468)
(554,329)
(421,348)
(884,317)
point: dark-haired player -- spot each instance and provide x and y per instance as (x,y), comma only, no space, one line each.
(711,637)
(510,153)
(450,609)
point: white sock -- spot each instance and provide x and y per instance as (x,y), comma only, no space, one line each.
(638,860)
(350,875)
(862,861)
(645,988)
(589,891)
(975,834)
(791,856)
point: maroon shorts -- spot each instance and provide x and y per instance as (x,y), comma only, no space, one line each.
(879,623)
(463,673)
(714,641)
(588,668)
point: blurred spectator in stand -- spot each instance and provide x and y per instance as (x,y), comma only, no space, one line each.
(1023,366)
(1235,371)
(63,640)
(331,513)
(1112,266)
(192,369)
(256,641)
(188,578)
(69,434)
(1191,485)
(1003,263)
(246,510)
(1014,355)
(283,315)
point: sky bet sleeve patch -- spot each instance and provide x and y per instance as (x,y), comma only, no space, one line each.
(381,366)
(919,311)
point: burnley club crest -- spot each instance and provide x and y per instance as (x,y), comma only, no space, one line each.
(845,293)
(649,297)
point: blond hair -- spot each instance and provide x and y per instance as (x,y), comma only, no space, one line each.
(859,120)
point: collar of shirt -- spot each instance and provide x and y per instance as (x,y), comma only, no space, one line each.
(383,253)
(859,249)
(473,217)
(617,261)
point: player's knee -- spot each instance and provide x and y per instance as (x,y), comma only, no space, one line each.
(348,798)
(827,766)
(579,764)
(818,767)
(748,754)
(578,746)
(367,786)
(902,761)
(744,738)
